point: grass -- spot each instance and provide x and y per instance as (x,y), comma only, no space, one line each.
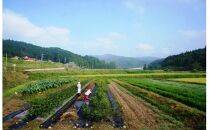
(191,117)
(190,80)
(12,79)
(22,65)
(190,94)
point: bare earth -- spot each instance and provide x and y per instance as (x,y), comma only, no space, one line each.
(137,115)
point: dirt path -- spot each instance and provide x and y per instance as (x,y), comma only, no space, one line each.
(137,115)
(45,69)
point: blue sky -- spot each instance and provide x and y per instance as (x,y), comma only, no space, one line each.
(122,27)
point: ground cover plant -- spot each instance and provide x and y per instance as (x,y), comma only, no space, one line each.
(188,116)
(190,94)
(44,85)
(99,107)
(43,106)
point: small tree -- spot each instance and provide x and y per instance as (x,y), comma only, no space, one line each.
(145,67)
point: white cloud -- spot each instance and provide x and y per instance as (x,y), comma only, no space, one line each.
(18,27)
(144,47)
(108,43)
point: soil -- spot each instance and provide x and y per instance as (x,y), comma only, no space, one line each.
(11,104)
(137,115)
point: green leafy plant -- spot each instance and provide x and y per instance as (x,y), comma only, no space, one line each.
(99,107)
(44,85)
(43,106)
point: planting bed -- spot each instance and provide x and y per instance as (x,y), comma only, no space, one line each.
(67,111)
(183,114)
(117,118)
(43,106)
(190,94)
(190,80)
(44,85)
(136,114)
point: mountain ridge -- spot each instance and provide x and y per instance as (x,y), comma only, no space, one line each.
(126,62)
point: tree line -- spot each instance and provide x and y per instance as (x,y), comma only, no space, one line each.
(18,48)
(190,60)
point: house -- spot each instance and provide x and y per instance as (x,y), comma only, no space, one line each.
(139,68)
(16,58)
(70,64)
(26,58)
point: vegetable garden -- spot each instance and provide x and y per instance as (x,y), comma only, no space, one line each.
(145,101)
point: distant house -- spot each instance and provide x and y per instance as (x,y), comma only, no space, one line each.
(16,58)
(50,61)
(26,58)
(140,68)
(70,64)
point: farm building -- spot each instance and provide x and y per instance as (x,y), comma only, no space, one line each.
(26,58)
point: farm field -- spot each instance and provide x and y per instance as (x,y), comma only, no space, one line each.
(190,80)
(141,100)
(22,65)
(104,65)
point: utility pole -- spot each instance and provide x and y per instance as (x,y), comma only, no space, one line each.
(65,59)
(6,61)
(42,57)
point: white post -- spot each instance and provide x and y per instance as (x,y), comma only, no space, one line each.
(14,65)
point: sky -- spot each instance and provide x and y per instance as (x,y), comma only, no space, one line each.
(132,28)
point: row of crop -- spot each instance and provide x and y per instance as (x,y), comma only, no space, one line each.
(99,107)
(44,85)
(191,95)
(43,106)
(190,80)
(190,117)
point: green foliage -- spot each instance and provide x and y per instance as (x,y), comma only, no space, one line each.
(99,107)
(43,85)
(43,106)
(190,117)
(190,94)
(192,60)
(144,67)
(155,64)
(190,80)
(21,49)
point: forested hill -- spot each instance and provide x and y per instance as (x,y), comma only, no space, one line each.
(192,60)
(126,62)
(21,49)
